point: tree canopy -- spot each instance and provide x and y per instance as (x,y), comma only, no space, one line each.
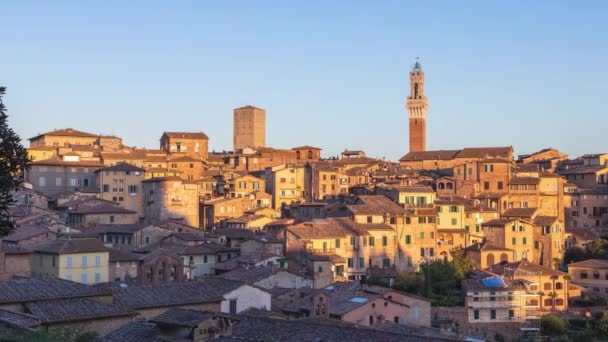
(13,162)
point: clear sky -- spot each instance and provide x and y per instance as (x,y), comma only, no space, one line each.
(333,74)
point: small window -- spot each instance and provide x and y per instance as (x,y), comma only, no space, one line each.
(475,314)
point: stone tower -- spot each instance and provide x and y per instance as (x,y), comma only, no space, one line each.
(417,107)
(249,127)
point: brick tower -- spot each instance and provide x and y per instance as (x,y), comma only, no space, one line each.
(417,107)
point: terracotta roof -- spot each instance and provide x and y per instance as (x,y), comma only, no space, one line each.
(182,317)
(186,135)
(21,290)
(67,132)
(19,319)
(498,222)
(524,180)
(306,147)
(176,294)
(430,155)
(485,152)
(58,161)
(378,205)
(591,263)
(184,159)
(75,309)
(545,220)
(522,268)
(490,195)
(27,232)
(329,228)
(101,209)
(520,212)
(413,188)
(162,179)
(485,246)
(71,246)
(253,274)
(122,167)
(581,170)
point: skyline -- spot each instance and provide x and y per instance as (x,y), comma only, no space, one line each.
(349,75)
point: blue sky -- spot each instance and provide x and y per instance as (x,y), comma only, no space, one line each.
(531,74)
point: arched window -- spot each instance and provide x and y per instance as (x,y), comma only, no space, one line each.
(548,302)
(298,155)
(309,154)
(449,186)
(559,286)
(415,90)
(441,186)
(149,273)
(490,259)
(504,257)
(161,272)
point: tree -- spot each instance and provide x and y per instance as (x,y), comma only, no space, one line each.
(574,254)
(553,325)
(462,265)
(13,162)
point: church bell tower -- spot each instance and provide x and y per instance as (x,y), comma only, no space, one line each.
(416,108)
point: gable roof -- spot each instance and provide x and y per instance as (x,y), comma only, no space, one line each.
(430,155)
(20,290)
(182,317)
(78,309)
(18,319)
(122,166)
(334,227)
(521,268)
(485,152)
(71,246)
(520,212)
(186,135)
(253,274)
(591,263)
(136,297)
(378,205)
(66,132)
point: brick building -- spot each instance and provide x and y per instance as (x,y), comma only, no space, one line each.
(249,127)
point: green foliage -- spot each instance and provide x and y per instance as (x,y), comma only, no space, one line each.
(553,325)
(13,160)
(601,325)
(439,280)
(597,249)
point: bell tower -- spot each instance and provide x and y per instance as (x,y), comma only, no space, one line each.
(416,108)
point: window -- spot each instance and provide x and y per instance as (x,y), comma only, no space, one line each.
(233,306)
(69,261)
(523,241)
(396,319)
(393,220)
(421,252)
(84,278)
(513,241)
(369,219)
(337,243)
(111,218)
(42,181)
(372,241)
(132,189)
(454,222)
(432,251)
(547,286)
(511,314)
(492,314)
(320,269)
(536,245)
(583,275)
(500,186)
(68,277)
(361,262)
(466,228)
(492,296)
(97,260)
(106,188)
(477,229)
(146,239)
(421,235)
(350,262)
(384,241)
(558,286)
(475,314)
(408,239)
(386,262)
(97,278)
(84,261)
(486,185)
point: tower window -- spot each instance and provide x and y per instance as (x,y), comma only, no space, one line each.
(416,90)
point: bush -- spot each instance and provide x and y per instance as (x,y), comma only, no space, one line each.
(553,325)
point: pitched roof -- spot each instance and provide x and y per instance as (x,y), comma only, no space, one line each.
(484,152)
(101,209)
(18,319)
(581,170)
(134,331)
(413,188)
(75,309)
(498,222)
(253,274)
(328,228)
(182,317)
(122,166)
(26,232)
(545,220)
(524,180)
(71,246)
(136,297)
(521,268)
(591,263)
(119,228)
(430,155)
(306,147)
(485,246)
(66,132)
(519,212)
(19,290)
(58,161)
(378,205)
(186,135)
